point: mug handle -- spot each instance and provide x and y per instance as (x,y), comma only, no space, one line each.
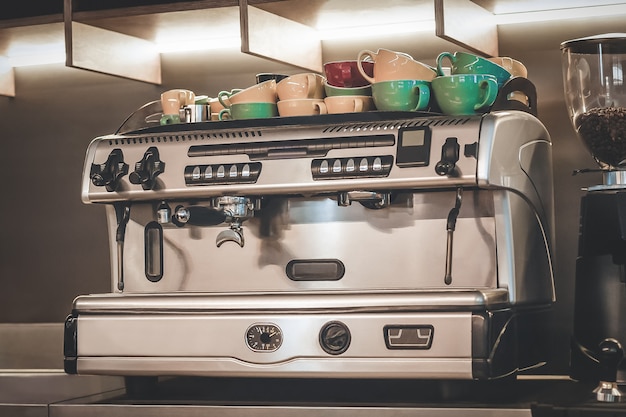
(186,97)
(441,57)
(222,97)
(223,113)
(321,107)
(489,92)
(365,53)
(423,96)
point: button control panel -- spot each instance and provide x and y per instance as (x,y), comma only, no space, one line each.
(240,173)
(358,167)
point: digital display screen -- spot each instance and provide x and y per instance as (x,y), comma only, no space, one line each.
(413,138)
(413,147)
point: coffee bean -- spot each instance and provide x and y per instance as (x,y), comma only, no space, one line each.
(603,130)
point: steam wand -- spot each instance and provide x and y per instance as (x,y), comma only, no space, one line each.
(450,227)
(122,212)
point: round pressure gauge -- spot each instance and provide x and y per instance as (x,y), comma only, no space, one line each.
(264,337)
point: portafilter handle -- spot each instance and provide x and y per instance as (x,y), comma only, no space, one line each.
(198,216)
(610,355)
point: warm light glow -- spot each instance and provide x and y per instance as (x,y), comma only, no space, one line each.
(561,14)
(26,60)
(357,32)
(199,45)
(22,55)
(331,26)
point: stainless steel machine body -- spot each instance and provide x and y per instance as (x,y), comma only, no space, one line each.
(380,245)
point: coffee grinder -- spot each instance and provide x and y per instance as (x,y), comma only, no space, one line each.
(595,95)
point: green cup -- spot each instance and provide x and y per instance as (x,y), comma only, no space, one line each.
(401,95)
(249,111)
(465,63)
(465,94)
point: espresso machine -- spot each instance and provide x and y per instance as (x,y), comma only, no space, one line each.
(362,245)
(595,93)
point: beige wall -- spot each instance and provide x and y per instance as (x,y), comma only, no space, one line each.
(53,247)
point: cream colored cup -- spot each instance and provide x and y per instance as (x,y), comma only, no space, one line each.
(216,108)
(301,107)
(517,69)
(305,85)
(173,100)
(348,104)
(391,65)
(264,92)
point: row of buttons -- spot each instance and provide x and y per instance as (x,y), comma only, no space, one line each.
(367,166)
(222,173)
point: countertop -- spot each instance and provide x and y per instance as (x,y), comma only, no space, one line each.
(55,394)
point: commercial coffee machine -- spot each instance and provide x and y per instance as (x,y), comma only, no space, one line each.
(363,245)
(593,71)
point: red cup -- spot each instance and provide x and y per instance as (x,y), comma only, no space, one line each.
(346,73)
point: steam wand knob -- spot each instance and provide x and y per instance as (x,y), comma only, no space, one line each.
(147,169)
(610,355)
(109,174)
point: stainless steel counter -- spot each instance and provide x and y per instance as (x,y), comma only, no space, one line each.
(29,393)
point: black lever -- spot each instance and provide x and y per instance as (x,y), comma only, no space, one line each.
(147,169)
(109,173)
(609,356)
(449,157)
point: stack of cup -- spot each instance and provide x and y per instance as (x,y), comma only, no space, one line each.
(255,102)
(398,82)
(472,86)
(301,95)
(173,102)
(347,91)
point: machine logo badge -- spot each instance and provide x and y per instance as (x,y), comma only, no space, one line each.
(409,336)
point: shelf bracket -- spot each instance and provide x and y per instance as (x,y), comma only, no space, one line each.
(92,48)
(7,78)
(468,25)
(276,38)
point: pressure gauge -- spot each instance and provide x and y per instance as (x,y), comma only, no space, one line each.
(264,337)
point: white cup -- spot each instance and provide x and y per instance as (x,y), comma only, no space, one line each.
(301,107)
(306,85)
(348,104)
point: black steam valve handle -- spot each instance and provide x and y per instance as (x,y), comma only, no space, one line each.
(610,355)
(147,169)
(449,157)
(198,216)
(109,174)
